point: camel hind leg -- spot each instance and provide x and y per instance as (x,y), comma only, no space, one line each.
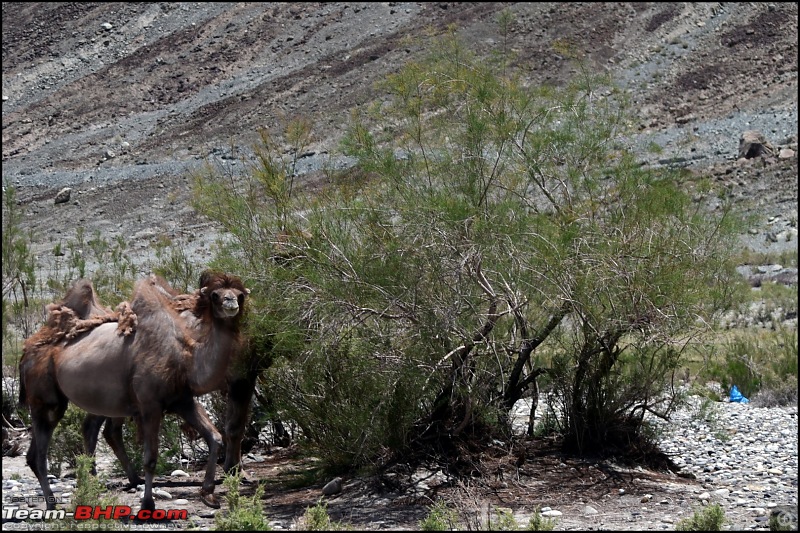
(194,414)
(112,432)
(150,423)
(91,431)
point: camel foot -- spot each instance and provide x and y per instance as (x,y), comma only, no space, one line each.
(210,500)
(148,505)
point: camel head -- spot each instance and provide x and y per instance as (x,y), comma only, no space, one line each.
(223,293)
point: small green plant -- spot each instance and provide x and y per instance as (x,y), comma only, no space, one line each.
(174,264)
(547,426)
(10,408)
(76,261)
(439,518)
(170,447)
(19,280)
(710,518)
(540,523)
(89,489)
(316,518)
(503,520)
(707,411)
(244,513)
(655,148)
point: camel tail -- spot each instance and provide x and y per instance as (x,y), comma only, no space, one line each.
(23,396)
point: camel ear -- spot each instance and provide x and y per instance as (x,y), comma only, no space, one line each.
(203,291)
(247,291)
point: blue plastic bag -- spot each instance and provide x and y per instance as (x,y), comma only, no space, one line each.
(736,396)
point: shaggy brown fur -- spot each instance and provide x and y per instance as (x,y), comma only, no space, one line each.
(79,312)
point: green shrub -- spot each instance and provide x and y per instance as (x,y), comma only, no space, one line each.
(174,264)
(66,444)
(170,447)
(540,523)
(503,520)
(779,393)
(488,222)
(548,425)
(317,519)
(710,518)
(783,519)
(89,489)
(439,518)
(243,513)
(754,360)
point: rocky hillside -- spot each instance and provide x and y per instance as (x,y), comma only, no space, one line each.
(117,100)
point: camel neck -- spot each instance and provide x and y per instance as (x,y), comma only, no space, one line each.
(212,355)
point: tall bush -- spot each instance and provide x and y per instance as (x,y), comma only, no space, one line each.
(492,232)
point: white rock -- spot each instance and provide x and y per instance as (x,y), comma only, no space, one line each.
(162,494)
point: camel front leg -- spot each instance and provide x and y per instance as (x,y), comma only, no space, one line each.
(240,394)
(197,418)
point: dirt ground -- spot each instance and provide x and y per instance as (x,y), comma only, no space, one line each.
(399,499)
(118,100)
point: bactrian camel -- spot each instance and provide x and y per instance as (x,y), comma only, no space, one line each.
(116,369)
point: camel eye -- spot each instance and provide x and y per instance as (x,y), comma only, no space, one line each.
(215,296)
(241,300)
